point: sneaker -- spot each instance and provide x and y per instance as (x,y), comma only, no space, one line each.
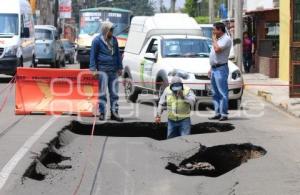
(224,118)
(115,117)
(102,117)
(217,117)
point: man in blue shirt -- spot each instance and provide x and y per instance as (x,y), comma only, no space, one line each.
(106,64)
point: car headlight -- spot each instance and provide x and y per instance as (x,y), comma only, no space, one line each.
(180,73)
(11,51)
(236,75)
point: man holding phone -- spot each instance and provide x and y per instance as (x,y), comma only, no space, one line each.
(179,100)
(219,71)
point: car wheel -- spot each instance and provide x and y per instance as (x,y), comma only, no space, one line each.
(57,64)
(34,63)
(235,104)
(63,63)
(131,92)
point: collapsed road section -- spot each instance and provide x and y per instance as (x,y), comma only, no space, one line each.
(217,160)
(52,158)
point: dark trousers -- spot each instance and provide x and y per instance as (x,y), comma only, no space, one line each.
(247,61)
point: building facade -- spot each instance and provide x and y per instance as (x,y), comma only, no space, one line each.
(263,25)
(289,69)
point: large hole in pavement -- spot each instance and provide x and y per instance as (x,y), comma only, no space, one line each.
(142,129)
(217,160)
(51,158)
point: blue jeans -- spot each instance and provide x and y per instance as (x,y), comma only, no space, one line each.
(219,83)
(179,128)
(247,61)
(108,80)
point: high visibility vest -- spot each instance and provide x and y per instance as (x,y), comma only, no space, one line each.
(178,109)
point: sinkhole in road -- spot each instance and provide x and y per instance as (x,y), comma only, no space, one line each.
(50,158)
(143,129)
(217,160)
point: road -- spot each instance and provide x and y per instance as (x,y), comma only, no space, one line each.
(130,159)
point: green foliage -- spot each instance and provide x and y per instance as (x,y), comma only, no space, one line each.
(190,7)
(202,19)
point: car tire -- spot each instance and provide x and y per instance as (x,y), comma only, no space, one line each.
(57,64)
(131,92)
(34,64)
(235,104)
(63,63)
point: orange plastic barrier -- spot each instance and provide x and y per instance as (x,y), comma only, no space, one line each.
(55,92)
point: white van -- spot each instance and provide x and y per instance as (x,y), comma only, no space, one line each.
(17,44)
(165,45)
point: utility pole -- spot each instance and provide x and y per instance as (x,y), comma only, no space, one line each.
(238,32)
(173,6)
(211,12)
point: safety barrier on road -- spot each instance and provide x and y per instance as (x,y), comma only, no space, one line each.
(55,92)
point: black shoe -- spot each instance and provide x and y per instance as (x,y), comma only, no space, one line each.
(217,117)
(102,117)
(224,118)
(115,117)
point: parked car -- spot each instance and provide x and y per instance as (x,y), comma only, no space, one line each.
(165,45)
(207,31)
(49,48)
(16,36)
(69,48)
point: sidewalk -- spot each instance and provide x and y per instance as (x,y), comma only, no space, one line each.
(271,91)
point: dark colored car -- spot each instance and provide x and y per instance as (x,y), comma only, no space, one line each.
(69,51)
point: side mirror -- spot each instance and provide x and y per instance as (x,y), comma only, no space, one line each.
(25,33)
(151,56)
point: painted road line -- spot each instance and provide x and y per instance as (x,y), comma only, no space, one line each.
(12,163)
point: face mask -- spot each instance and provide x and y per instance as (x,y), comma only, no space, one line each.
(177,87)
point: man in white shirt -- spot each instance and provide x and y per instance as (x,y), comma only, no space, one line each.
(219,72)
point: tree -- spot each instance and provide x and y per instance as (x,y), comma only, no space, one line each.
(190,7)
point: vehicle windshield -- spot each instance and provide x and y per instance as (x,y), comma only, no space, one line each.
(43,34)
(90,22)
(207,32)
(197,48)
(9,24)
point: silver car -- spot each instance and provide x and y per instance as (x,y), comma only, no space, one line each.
(49,48)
